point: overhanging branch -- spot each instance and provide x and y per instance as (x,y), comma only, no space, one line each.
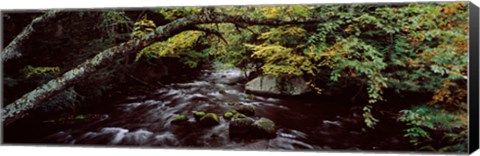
(210,31)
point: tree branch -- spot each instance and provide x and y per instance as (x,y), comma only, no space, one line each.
(12,50)
(210,31)
(244,27)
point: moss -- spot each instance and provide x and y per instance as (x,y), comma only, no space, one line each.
(198,115)
(228,115)
(240,127)
(32,71)
(209,119)
(265,127)
(264,122)
(180,118)
(247,110)
(80,117)
(239,116)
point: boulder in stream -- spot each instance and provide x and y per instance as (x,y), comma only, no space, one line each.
(240,127)
(210,119)
(264,127)
(273,85)
(250,128)
(246,110)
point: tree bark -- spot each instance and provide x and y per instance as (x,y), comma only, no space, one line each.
(19,108)
(13,49)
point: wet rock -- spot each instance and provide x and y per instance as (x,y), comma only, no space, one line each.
(246,110)
(249,128)
(198,115)
(210,119)
(179,118)
(257,145)
(240,127)
(80,117)
(278,85)
(71,120)
(239,116)
(228,115)
(264,127)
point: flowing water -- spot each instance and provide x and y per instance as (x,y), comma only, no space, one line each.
(303,123)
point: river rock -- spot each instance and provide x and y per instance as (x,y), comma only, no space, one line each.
(210,119)
(247,127)
(240,127)
(179,118)
(264,127)
(239,116)
(198,115)
(228,115)
(290,86)
(246,110)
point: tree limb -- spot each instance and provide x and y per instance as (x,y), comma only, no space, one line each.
(12,50)
(210,31)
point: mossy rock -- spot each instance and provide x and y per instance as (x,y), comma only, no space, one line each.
(264,127)
(228,115)
(247,110)
(209,119)
(239,116)
(198,115)
(250,128)
(241,127)
(80,117)
(180,118)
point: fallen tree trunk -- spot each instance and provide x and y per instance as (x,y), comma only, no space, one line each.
(13,49)
(19,108)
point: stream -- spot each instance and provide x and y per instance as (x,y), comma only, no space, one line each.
(303,123)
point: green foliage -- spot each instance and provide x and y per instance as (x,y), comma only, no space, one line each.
(360,62)
(290,12)
(421,119)
(370,121)
(282,52)
(143,27)
(233,54)
(179,46)
(183,45)
(114,21)
(175,13)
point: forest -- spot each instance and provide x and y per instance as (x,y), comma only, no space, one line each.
(290,77)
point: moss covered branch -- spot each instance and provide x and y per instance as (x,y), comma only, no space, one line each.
(13,49)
